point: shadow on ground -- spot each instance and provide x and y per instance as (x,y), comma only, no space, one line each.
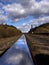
(42,59)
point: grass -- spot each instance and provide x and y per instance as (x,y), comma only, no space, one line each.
(8,31)
(8,35)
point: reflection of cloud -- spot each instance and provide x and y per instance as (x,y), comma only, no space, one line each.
(16,59)
(23,41)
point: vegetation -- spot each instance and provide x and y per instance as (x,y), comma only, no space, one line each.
(8,31)
(6,43)
(8,35)
(38,43)
(41,29)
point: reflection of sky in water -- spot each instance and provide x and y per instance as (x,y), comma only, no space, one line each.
(18,54)
(21,43)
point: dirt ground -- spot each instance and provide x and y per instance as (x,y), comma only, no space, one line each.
(6,43)
(38,43)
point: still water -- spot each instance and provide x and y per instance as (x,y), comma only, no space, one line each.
(18,54)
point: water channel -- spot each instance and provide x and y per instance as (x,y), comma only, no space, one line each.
(18,54)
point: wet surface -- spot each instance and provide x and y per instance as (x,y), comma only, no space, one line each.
(18,54)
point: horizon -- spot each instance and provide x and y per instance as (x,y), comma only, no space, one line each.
(22,14)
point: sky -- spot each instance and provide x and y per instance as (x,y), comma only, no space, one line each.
(24,13)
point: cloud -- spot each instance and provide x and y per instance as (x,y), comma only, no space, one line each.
(1,5)
(23,8)
(39,21)
(25,27)
(15,11)
(3,18)
(34,23)
(18,9)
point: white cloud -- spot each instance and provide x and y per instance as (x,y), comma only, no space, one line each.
(24,8)
(1,5)
(45,0)
(25,27)
(19,9)
(15,11)
(34,23)
(2,18)
(39,21)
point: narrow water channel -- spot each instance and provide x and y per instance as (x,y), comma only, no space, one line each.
(18,54)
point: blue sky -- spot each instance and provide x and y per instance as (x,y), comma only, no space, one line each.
(20,22)
(23,13)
